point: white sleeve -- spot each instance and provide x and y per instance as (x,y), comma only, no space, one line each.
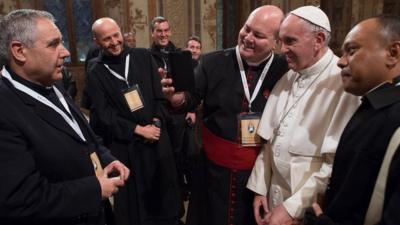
(260,177)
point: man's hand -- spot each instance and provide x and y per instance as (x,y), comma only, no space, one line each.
(191,117)
(118,168)
(317,209)
(280,216)
(162,72)
(261,211)
(312,214)
(149,132)
(109,186)
(176,99)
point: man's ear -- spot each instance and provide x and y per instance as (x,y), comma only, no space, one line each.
(320,39)
(95,40)
(18,51)
(393,54)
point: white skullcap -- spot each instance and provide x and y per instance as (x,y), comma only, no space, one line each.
(313,15)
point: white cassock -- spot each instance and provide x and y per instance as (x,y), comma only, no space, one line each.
(302,121)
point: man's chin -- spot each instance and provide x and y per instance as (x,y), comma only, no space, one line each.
(163,44)
(114,52)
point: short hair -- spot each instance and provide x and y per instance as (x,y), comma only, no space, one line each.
(318,29)
(127,34)
(389,26)
(157,19)
(193,38)
(19,25)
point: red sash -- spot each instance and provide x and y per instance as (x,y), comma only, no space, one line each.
(228,154)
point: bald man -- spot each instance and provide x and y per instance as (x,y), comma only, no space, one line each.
(128,111)
(234,85)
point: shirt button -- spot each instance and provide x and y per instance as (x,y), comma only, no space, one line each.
(276,154)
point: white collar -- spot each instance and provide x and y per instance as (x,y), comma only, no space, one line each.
(258,63)
(317,67)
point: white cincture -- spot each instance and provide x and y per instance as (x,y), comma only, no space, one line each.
(115,74)
(71,122)
(244,80)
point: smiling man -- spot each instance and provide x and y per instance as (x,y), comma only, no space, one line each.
(128,111)
(301,123)
(234,85)
(160,33)
(50,159)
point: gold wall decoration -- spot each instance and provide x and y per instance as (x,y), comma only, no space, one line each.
(139,19)
(209,21)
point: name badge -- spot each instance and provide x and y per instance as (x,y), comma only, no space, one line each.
(248,125)
(98,169)
(134,98)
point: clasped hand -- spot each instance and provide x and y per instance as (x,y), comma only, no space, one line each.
(109,185)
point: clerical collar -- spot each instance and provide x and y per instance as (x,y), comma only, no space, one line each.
(318,66)
(36,87)
(113,59)
(258,64)
(396,80)
(170,47)
(383,95)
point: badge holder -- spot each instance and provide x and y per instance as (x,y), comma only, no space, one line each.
(247,129)
(96,164)
(134,98)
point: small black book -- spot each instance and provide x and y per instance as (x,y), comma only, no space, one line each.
(181,70)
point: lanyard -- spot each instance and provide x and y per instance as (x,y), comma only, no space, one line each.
(71,122)
(244,80)
(119,76)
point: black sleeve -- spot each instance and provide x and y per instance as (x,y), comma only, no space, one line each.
(160,102)
(105,118)
(25,193)
(194,99)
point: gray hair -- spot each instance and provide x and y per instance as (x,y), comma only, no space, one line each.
(317,29)
(19,25)
(157,19)
(389,26)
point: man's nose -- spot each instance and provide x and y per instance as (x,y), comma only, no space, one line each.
(284,48)
(64,53)
(342,61)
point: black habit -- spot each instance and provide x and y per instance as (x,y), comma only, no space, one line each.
(359,157)
(220,195)
(151,193)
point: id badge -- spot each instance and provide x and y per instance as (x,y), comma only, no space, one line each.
(248,125)
(134,98)
(98,169)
